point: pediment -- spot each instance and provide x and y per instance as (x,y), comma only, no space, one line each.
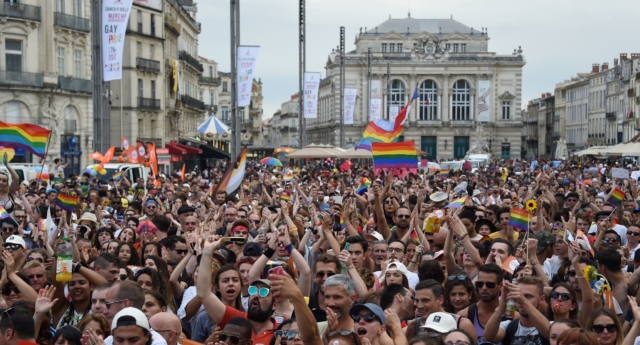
(506,95)
(422,35)
(456,36)
(392,35)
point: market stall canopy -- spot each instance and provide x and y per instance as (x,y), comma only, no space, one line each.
(316,151)
(353,154)
(592,151)
(622,150)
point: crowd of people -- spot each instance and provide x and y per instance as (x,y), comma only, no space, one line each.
(317,255)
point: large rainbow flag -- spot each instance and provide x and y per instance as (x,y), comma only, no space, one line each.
(232,178)
(384,131)
(401,155)
(26,136)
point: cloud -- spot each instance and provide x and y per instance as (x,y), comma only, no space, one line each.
(559,38)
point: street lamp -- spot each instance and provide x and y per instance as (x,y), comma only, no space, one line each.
(490,139)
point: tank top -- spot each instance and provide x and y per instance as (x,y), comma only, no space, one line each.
(473,315)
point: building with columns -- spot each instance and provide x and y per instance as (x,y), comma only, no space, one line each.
(448,61)
(45,75)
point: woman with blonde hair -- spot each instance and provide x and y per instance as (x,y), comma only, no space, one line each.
(577,336)
(98,323)
(8,186)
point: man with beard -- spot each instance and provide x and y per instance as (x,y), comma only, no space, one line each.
(239,228)
(429,299)
(324,267)
(262,303)
(339,296)
(399,299)
(401,220)
(532,327)
(488,287)
(151,209)
(396,252)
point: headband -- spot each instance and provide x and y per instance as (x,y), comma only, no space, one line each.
(240,227)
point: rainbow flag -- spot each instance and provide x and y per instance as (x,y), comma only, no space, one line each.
(414,235)
(25,136)
(343,225)
(365,183)
(285,197)
(232,178)
(41,225)
(118,176)
(457,203)
(616,197)
(288,177)
(444,174)
(3,213)
(485,239)
(66,202)
(519,219)
(384,131)
(395,155)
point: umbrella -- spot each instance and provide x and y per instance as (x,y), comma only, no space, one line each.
(317,151)
(213,125)
(283,149)
(271,161)
(353,153)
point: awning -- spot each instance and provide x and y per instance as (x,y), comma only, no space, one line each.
(208,151)
(174,149)
(190,149)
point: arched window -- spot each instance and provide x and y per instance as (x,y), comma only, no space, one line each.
(70,125)
(397,93)
(461,101)
(428,100)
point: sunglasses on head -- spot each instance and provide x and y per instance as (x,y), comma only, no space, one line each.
(611,328)
(564,295)
(480,284)
(368,318)
(262,292)
(235,339)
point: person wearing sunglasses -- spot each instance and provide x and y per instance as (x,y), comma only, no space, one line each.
(562,303)
(606,326)
(35,271)
(370,321)
(633,239)
(151,207)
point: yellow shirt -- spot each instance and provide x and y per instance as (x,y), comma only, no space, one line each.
(497,234)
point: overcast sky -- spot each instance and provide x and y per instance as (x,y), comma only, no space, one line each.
(559,37)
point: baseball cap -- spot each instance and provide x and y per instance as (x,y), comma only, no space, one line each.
(545,239)
(440,322)
(266,282)
(397,266)
(374,236)
(15,239)
(185,209)
(130,317)
(252,249)
(376,310)
(602,215)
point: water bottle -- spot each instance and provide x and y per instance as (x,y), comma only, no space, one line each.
(511,304)
(344,265)
(64,261)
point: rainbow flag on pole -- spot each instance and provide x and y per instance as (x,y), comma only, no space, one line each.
(519,219)
(66,202)
(395,155)
(444,174)
(25,136)
(117,176)
(365,183)
(616,197)
(457,203)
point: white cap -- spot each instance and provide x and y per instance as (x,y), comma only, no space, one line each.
(374,236)
(279,190)
(130,317)
(397,266)
(440,322)
(15,239)
(438,253)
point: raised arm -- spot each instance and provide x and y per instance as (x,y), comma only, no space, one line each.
(285,287)
(211,302)
(383,227)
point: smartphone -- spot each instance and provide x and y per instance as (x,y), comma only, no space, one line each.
(337,199)
(235,239)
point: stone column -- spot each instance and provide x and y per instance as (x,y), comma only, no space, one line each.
(445,102)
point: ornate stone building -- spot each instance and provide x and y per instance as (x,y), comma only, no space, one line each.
(447,61)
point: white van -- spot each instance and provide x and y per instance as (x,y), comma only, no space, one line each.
(132,171)
(453,165)
(480,157)
(26,171)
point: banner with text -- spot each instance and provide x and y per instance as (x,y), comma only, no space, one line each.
(484,100)
(393,112)
(311,86)
(115,17)
(349,104)
(376,109)
(247,57)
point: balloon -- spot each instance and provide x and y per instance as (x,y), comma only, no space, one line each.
(38,169)
(45,176)
(9,151)
(93,173)
(120,159)
(38,175)
(102,171)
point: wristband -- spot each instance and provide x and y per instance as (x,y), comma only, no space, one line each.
(289,248)
(79,265)
(269,252)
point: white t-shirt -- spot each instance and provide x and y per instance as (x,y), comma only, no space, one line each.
(620,229)
(411,277)
(632,252)
(156,339)
(187,296)
(523,335)
(551,266)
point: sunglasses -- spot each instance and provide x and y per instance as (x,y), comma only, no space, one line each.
(609,240)
(262,292)
(235,339)
(7,291)
(452,278)
(611,328)
(633,233)
(368,318)
(388,202)
(255,221)
(8,229)
(289,335)
(489,213)
(36,259)
(480,284)
(180,251)
(12,246)
(321,274)
(571,273)
(151,207)
(404,216)
(564,295)
(34,276)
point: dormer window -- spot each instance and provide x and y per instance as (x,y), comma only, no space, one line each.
(392,48)
(384,47)
(399,47)
(455,47)
(463,48)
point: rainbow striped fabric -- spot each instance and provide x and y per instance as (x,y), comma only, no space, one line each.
(365,183)
(288,177)
(66,202)
(3,213)
(26,136)
(285,197)
(616,197)
(444,174)
(118,176)
(343,225)
(395,155)
(519,219)
(414,235)
(457,203)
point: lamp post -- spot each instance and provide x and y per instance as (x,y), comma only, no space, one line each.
(490,139)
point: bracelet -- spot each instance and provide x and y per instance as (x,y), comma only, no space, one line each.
(79,265)
(534,263)
(463,237)
(496,311)
(577,276)
(413,262)
(289,248)
(269,252)
(350,267)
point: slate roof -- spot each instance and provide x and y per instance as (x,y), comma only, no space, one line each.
(415,25)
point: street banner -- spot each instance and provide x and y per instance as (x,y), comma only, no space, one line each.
(349,104)
(484,100)
(376,109)
(376,89)
(310,91)
(115,17)
(247,57)
(393,112)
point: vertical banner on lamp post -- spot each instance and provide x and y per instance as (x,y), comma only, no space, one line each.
(115,17)
(310,92)
(393,112)
(247,58)
(484,100)
(349,104)
(376,109)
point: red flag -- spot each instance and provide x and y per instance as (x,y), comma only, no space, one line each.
(346,165)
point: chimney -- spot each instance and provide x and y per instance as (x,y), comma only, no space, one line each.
(615,62)
(548,94)
(623,56)
(605,66)
(635,56)
(595,68)
(543,95)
